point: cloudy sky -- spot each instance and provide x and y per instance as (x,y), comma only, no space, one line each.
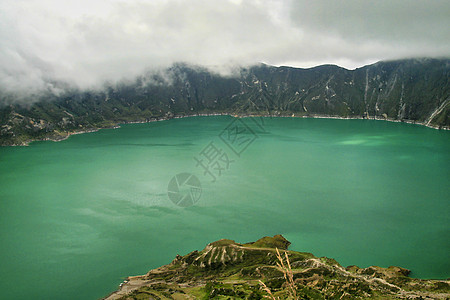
(85,42)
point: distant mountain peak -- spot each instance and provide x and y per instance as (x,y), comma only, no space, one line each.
(410,90)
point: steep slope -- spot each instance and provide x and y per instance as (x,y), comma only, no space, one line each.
(229,270)
(409,90)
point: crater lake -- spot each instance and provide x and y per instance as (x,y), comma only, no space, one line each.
(78,216)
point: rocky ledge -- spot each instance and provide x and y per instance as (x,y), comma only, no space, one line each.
(229,270)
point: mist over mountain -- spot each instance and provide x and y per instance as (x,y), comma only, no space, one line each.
(414,90)
(47,44)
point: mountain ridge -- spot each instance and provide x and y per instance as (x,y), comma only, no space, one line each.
(228,270)
(411,90)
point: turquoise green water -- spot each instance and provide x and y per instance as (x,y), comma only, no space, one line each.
(78,216)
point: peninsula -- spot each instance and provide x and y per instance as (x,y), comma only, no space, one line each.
(266,268)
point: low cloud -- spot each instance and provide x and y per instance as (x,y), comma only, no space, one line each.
(48,45)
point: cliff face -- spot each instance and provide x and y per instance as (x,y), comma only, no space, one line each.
(229,270)
(412,90)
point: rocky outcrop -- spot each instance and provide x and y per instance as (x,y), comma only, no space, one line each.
(229,270)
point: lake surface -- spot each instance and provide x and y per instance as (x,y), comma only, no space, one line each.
(78,216)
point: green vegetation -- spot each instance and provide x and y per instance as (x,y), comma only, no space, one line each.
(408,90)
(277,241)
(229,270)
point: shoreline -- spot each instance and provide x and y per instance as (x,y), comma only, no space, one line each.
(189,276)
(235,115)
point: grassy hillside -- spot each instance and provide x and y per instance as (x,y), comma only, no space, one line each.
(266,269)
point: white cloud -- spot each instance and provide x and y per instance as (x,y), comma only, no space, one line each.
(85,42)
